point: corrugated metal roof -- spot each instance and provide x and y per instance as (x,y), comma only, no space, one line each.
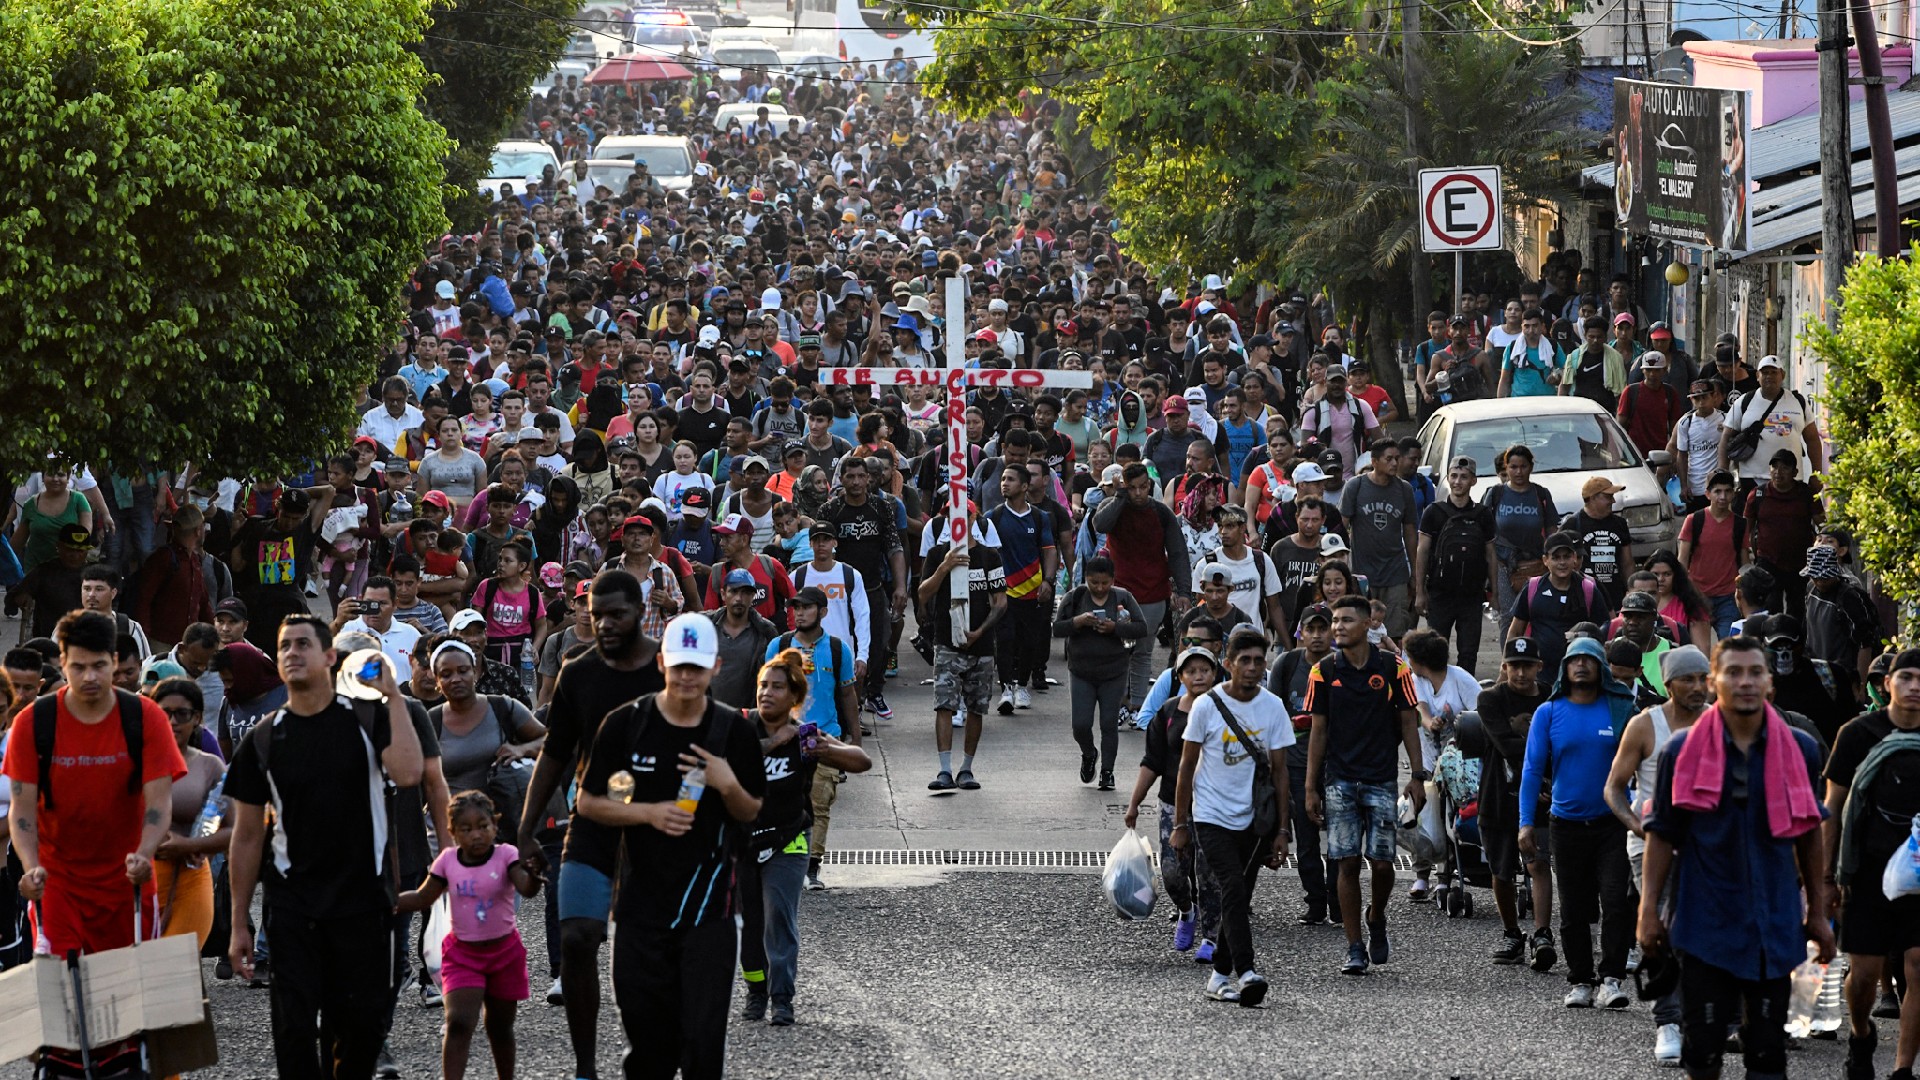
(1785,228)
(1794,144)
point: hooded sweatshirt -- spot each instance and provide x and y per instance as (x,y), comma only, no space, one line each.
(1092,655)
(1575,743)
(1123,432)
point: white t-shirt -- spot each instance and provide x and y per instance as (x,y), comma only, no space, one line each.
(1699,438)
(1254,579)
(1499,337)
(1457,693)
(671,488)
(1223,782)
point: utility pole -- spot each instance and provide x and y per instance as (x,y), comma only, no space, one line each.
(1836,157)
(1886,181)
(1421,285)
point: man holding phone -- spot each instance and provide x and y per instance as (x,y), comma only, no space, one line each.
(373,613)
(832,706)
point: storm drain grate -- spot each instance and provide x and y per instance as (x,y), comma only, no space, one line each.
(962,860)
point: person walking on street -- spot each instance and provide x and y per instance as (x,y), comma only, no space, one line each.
(331,883)
(1218,803)
(1782,513)
(1455,562)
(1573,737)
(830,702)
(1734,827)
(870,542)
(1149,553)
(1031,559)
(1289,680)
(1101,623)
(1381,510)
(1190,887)
(1523,517)
(1364,714)
(693,778)
(963,675)
(1506,710)
(1687,675)
(1712,545)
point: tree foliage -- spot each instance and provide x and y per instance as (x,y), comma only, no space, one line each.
(1876,434)
(484,56)
(1269,136)
(213,206)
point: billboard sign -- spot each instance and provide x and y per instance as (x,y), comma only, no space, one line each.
(1680,163)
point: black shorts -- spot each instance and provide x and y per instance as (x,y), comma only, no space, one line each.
(1503,848)
(1871,924)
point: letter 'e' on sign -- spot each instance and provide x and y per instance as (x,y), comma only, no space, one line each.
(1460,209)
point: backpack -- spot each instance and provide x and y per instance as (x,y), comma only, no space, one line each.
(1588,591)
(1459,553)
(268,729)
(1691,529)
(1324,429)
(785,641)
(46,719)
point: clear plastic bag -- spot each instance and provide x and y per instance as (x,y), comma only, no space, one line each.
(1902,875)
(1128,878)
(439,925)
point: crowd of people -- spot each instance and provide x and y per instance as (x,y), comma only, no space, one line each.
(625,575)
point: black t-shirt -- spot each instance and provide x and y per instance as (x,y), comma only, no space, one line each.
(868,534)
(1360,708)
(585,692)
(787,807)
(986,578)
(1602,543)
(1297,566)
(1894,797)
(275,562)
(705,430)
(411,824)
(1506,713)
(320,854)
(1549,613)
(673,882)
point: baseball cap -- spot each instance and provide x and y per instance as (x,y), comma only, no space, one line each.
(1623,317)
(695,501)
(397,465)
(1659,329)
(1112,472)
(76,536)
(690,639)
(233,606)
(1307,472)
(1217,575)
(1640,603)
(1463,461)
(734,523)
(1654,359)
(792,448)
(553,575)
(1459,320)
(1783,628)
(824,530)
(812,596)
(1562,539)
(1521,650)
(741,579)
(1329,459)
(1192,651)
(709,335)
(437,498)
(743,462)
(464,618)
(1700,388)
(809,341)
(638,521)
(579,569)
(1770,361)
(1336,373)
(1783,456)
(1599,485)
(582,588)
(1331,544)
(1320,612)
(1174,405)
(446,289)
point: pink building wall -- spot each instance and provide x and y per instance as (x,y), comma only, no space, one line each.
(1783,75)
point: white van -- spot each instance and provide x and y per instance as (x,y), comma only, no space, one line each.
(670,158)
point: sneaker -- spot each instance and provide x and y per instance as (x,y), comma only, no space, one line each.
(1379,949)
(1222,988)
(223,969)
(1253,989)
(1666,1046)
(1106,781)
(1511,950)
(1051,681)
(1900,1074)
(1022,698)
(262,975)
(814,884)
(1088,759)
(384,1067)
(1356,960)
(1543,951)
(1005,708)
(1612,994)
(1204,954)
(556,995)
(1126,718)
(1183,932)
(1313,916)
(1421,892)
(1860,1048)
(1579,997)
(756,1006)
(1633,959)
(877,705)
(966,780)
(782,1015)
(429,994)
(1887,1006)
(942,782)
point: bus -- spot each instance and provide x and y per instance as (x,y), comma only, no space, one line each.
(864,30)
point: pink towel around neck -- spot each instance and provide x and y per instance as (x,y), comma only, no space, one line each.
(1702,764)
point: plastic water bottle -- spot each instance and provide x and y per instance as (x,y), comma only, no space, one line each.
(692,786)
(526,666)
(208,822)
(620,786)
(1830,1008)
(1807,979)
(402,506)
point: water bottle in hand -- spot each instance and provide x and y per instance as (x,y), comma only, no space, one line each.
(1806,992)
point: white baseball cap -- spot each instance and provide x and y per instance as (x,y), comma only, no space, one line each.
(1770,361)
(1307,472)
(770,300)
(709,335)
(689,639)
(996,304)
(465,618)
(1214,282)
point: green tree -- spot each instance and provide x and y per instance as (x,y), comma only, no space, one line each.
(484,56)
(1876,434)
(213,206)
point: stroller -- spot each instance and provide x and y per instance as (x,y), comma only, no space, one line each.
(1458,778)
(1473,753)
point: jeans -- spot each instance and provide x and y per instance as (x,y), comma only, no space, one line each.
(673,988)
(1725,610)
(1462,619)
(770,917)
(1140,669)
(1315,871)
(1713,999)
(1023,632)
(880,626)
(1105,695)
(1234,857)
(1184,872)
(1503,594)
(1590,866)
(553,849)
(334,971)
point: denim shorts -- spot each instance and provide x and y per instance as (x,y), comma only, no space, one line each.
(583,892)
(1360,820)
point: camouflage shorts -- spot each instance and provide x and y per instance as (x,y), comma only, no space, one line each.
(962,683)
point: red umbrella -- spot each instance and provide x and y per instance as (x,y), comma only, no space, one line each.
(633,71)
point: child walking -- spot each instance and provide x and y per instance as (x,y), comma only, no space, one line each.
(483,961)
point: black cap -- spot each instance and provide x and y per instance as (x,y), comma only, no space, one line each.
(1521,650)
(233,606)
(1459,320)
(824,528)
(1316,611)
(1561,539)
(812,596)
(1640,603)
(1783,627)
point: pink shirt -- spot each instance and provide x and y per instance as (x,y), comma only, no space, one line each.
(483,899)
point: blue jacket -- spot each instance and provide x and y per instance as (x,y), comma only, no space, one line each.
(1564,735)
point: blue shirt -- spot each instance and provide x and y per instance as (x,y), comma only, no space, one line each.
(422,381)
(1530,366)
(829,667)
(1736,889)
(1240,442)
(1578,741)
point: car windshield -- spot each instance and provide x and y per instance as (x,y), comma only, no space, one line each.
(1563,442)
(520,162)
(665,160)
(655,39)
(745,56)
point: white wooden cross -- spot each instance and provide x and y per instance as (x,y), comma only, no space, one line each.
(955,378)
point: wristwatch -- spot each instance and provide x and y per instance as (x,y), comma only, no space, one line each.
(1422,775)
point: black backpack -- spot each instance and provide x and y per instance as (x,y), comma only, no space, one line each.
(1458,555)
(46,719)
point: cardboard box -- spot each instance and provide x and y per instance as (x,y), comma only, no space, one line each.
(152,986)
